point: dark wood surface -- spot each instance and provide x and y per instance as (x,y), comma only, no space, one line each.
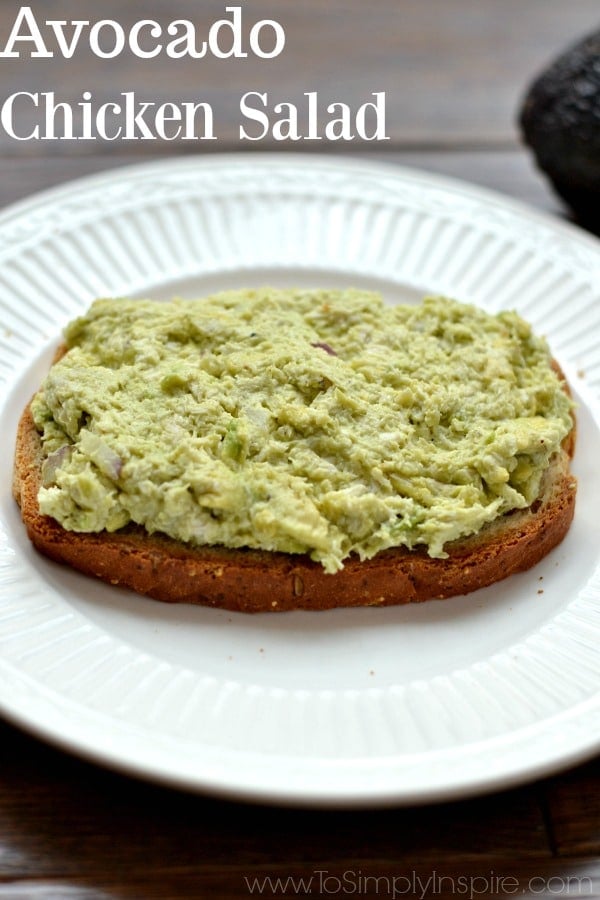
(454,72)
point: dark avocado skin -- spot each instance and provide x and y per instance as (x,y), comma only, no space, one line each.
(560,120)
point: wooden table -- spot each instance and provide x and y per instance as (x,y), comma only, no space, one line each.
(454,72)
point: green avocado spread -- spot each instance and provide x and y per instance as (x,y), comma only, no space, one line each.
(304,421)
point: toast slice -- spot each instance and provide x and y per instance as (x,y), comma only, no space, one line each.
(257,581)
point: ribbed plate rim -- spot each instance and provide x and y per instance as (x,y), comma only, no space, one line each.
(301,792)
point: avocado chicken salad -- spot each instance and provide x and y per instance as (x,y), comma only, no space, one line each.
(305,421)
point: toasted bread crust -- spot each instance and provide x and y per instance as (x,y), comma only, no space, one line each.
(258,581)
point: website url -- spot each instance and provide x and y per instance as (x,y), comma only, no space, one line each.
(353,882)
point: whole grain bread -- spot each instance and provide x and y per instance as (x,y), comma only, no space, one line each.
(258,581)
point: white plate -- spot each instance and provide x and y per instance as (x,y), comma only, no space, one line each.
(365,706)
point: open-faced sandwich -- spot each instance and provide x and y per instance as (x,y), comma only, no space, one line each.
(280,449)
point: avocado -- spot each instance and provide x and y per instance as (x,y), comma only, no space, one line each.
(560,121)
